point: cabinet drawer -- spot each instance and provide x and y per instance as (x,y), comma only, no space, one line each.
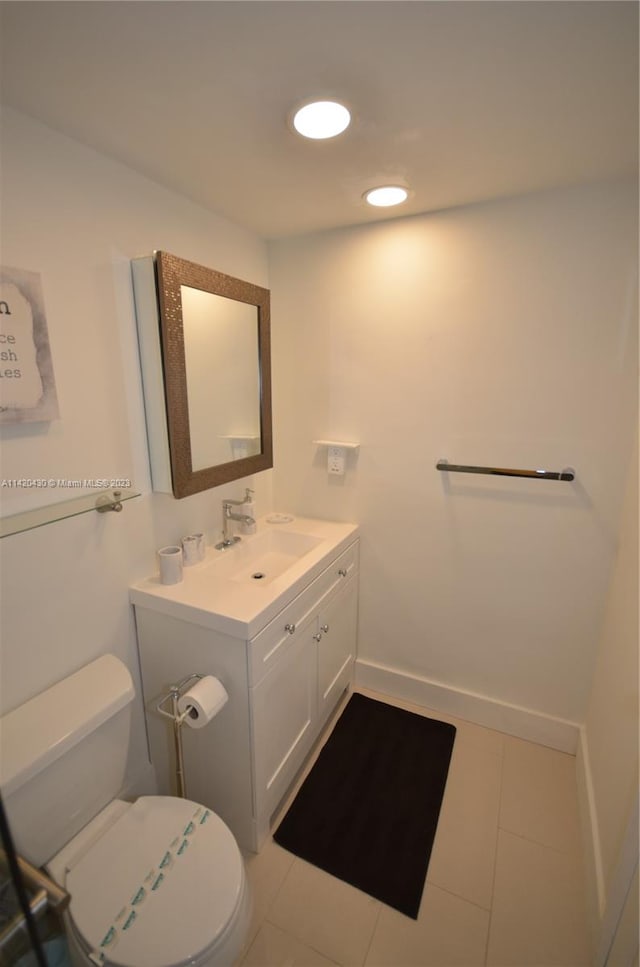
(272,642)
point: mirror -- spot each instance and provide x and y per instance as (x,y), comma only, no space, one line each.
(215,346)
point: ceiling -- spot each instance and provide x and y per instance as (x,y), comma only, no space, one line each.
(464,101)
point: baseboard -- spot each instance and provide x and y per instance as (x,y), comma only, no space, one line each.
(513,719)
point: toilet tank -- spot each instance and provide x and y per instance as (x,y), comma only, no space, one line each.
(63,756)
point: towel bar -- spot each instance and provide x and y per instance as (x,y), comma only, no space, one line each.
(567,474)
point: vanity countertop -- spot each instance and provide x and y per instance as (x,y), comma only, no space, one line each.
(222,592)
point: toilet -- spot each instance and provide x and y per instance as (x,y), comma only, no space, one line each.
(159,882)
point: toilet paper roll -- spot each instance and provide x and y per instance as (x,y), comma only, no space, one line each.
(202,701)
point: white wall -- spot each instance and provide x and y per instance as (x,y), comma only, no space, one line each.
(608,759)
(78,219)
(613,738)
(500,334)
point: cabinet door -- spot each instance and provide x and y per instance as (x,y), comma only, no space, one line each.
(336,638)
(284,714)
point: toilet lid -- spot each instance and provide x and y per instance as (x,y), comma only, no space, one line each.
(159,886)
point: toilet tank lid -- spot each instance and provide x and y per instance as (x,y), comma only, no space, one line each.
(37,733)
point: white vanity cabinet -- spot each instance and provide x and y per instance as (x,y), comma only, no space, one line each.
(282,683)
(300,665)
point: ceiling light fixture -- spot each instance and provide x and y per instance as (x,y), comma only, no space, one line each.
(386,196)
(321,119)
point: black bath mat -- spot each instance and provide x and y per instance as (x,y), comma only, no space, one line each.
(368,810)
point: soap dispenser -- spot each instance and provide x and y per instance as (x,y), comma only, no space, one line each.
(248,507)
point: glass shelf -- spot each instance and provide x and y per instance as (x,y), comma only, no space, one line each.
(29,519)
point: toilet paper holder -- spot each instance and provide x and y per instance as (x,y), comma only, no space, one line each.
(177,717)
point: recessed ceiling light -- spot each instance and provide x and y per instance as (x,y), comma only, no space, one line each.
(321,119)
(386,196)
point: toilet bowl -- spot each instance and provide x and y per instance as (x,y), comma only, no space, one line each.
(159,882)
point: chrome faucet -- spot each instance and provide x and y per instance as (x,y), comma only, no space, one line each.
(227,539)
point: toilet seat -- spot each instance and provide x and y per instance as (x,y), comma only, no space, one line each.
(161,887)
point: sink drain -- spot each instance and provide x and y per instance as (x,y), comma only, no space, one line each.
(258,576)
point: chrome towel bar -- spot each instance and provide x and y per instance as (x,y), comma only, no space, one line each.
(567,474)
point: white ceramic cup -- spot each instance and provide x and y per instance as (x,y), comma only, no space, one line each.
(190,550)
(170,561)
(202,546)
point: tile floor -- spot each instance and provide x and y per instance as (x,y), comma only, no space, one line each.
(504,886)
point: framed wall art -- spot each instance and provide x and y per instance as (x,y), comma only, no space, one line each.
(27,382)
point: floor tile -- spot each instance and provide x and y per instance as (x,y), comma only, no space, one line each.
(273,947)
(266,872)
(504,886)
(539,795)
(328,915)
(538,914)
(463,857)
(449,932)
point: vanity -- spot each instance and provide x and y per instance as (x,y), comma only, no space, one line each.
(274,618)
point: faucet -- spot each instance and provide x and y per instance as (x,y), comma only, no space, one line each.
(227,515)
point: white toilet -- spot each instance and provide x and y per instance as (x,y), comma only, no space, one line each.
(155,883)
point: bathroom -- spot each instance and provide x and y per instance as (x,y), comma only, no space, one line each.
(491,329)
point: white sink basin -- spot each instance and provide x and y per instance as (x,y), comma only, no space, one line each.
(265,557)
(238,590)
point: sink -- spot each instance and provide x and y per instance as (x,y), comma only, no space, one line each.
(265,557)
(238,590)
